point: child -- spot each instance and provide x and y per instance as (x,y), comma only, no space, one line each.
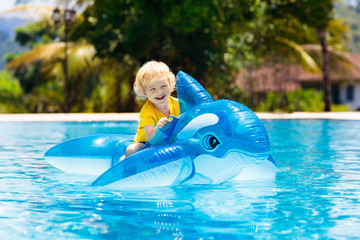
(154,82)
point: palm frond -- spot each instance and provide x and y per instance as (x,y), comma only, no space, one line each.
(340,61)
(81,59)
(306,61)
(45,53)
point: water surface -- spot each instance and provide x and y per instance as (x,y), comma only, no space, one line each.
(315,195)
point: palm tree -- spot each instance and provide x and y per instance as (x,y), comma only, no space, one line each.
(83,66)
(331,55)
(73,62)
(316,15)
(310,57)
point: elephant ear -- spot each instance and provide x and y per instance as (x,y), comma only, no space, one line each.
(190,92)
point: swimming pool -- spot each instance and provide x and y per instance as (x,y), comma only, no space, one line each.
(316,193)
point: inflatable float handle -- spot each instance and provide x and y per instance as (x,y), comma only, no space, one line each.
(170,129)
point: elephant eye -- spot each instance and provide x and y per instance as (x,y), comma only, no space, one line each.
(210,142)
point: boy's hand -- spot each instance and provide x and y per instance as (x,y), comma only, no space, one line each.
(163,122)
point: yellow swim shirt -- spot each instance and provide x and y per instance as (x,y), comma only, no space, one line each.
(150,115)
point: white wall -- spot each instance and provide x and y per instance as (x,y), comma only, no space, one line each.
(355,103)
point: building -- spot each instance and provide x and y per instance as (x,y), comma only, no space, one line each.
(345,88)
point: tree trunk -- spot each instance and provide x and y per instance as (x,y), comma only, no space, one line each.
(67,106)
(325,69)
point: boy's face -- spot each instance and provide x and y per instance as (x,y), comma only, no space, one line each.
(158,91)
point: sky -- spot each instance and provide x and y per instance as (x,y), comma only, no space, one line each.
(6,4)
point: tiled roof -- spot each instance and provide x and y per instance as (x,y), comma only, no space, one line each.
(356,61)
(281,77)
(270,78)
(351,76)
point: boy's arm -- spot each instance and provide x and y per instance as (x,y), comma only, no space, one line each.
(150,130)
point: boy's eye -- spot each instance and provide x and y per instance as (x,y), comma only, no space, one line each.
(164,86)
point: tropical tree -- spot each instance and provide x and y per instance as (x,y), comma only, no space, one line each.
(83,69)
(11,94)
(268,42)
(187,35)
(307,52)
(316,15)
(212,40)
(271,40)
(45,65)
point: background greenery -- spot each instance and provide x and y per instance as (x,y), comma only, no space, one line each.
(211,40)
(351,15)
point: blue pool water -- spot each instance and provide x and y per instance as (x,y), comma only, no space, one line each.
(316,193)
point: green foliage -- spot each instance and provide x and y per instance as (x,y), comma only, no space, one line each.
(10,94)
(261,42)
(211,40)
(47,97)
(188,35)
(118,78)
(338,35)
(314,13)
(7,46)
(11,56)
(339,108)
(301,100)
(34,34)
(29,77)
(304,100)
(317,15)
(351,15)
(10,87)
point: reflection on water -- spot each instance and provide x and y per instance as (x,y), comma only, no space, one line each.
(315,194)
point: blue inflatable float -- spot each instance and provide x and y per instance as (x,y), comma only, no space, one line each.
(211,142)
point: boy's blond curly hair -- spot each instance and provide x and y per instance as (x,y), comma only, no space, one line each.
(149,71)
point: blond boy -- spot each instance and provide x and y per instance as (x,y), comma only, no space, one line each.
(154,83)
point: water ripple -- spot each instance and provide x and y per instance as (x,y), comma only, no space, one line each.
(315,194)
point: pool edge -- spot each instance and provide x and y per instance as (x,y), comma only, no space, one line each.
(100,117)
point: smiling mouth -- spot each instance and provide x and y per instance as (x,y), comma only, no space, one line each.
(160,98)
